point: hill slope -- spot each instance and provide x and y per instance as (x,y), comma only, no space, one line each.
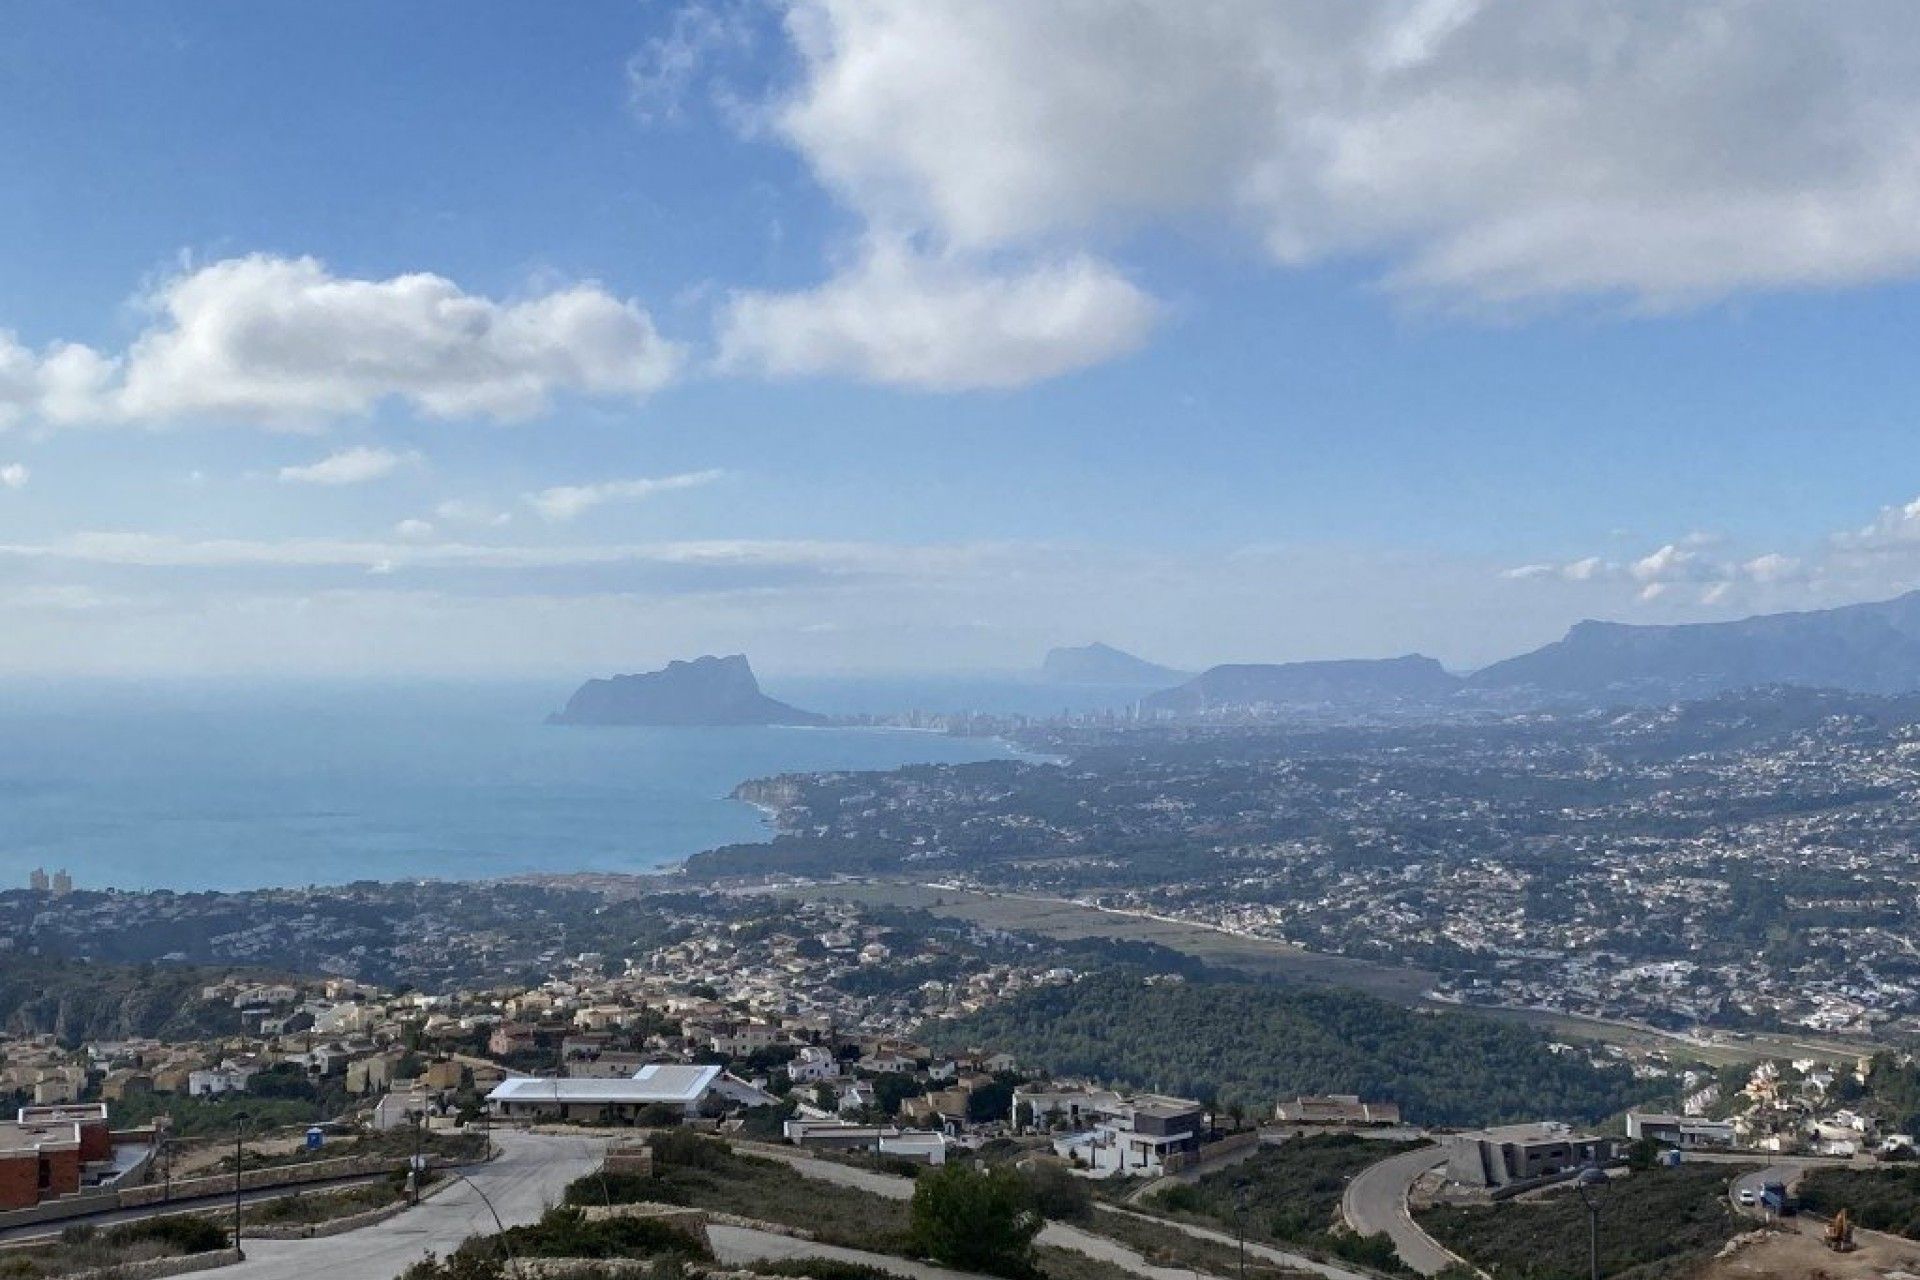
(1099,663)
(706,691)
(1864,648)
(1255,1044)
(1357,682)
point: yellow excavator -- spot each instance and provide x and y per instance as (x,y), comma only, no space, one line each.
(1840,1232)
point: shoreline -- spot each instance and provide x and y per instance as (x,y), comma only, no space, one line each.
(455,865)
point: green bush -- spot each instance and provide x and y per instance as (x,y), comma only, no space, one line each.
(187,1234)
(976,1220)
(1057,1194)
(682,1148)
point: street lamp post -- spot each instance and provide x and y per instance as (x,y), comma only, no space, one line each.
(1592,1186)
(239,1131)
(1240,1227)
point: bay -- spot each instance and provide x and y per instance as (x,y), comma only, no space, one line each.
(195,786)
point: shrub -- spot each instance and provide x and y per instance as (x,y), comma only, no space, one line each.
(682,1148)
(187,1234)
(976,1220)
(1057,1194)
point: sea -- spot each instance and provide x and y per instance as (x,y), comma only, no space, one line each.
(223,786)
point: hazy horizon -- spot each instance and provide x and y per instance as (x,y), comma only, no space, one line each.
(371,343)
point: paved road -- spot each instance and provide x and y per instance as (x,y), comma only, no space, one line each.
(522,1183)
(1786,1171)
(1376,1201)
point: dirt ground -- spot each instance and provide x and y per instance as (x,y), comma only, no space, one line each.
(1800,1255)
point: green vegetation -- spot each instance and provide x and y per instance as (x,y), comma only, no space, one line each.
(706,1173)
(326,1206)
(83,1247)
(1657,1225)
(180,1234)
(1880,1199)
(282,1097)
(1288,1194)
(564,1233)
(76,1001)
(1250,1044)
(976,1219)
(1170,1247)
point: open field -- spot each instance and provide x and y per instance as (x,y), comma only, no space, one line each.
(1746,1048)
(1057,918)
(1280,962)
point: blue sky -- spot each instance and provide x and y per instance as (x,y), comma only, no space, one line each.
(513,338)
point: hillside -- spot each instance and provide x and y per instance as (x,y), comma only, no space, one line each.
(1863,648)
(1358,682)
(74,1001)
(706,691)
(1253,1045)
(1098,663)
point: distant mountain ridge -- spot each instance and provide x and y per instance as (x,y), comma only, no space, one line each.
(1861,648)
(706,691)
(1099,663)
(1342,682)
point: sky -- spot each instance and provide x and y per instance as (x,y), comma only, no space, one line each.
(491,338)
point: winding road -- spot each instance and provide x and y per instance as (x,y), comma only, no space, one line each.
(522,1183)
(1376,1202)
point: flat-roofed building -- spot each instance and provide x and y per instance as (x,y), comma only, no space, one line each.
(96,1138)
(1688,1132)
(1114,1133)
(684,1088)
(1522,1153)
(38,1162)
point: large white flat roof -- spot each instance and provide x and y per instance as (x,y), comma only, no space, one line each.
(655,1082)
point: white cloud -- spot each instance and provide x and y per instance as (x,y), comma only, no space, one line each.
(664,71)
(909,319)
(1493,150)
(14,475)
(357,465)
(414,528)
(284,342)
(464,511)
(1670,563)
(1583,569)
(564,502)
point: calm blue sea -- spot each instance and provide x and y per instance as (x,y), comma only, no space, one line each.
(201,787)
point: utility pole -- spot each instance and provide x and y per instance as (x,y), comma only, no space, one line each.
(239,1131)
(1240,1228)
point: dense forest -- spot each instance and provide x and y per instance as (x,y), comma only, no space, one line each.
(1251,1045)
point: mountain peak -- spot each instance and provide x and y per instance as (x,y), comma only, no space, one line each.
(706,690)
(1101,663)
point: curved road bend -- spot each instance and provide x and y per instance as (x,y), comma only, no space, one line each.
(1376,1202)
(523,1182)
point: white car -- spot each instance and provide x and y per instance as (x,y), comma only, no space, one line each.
(1748,1196)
